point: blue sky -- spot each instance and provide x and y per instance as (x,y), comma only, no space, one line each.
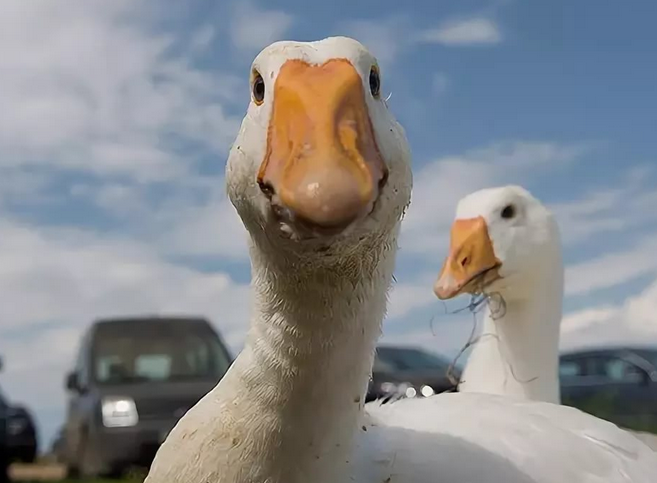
(117,118)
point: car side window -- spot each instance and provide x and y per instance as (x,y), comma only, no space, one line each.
(612,368)
(571,368)
(381,365)
(619,370)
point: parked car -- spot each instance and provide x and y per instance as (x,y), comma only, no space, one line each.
(21,435)
(618,384)
(409,372)
(134,378)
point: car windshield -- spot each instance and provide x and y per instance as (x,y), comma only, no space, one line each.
(403,359)
(157,352)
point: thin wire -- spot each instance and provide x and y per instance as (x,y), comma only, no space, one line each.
(497,310)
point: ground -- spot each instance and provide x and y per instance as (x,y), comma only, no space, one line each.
(53,473)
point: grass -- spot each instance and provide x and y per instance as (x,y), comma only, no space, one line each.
(83,481)
(55,473)
(99,480)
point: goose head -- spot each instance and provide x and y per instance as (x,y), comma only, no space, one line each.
(320,165)
(503,240)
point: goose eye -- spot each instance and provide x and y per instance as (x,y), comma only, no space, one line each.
(375,82)
(258,88)
(508,212)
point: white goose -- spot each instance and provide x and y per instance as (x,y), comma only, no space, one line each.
(320,175)
(506,243)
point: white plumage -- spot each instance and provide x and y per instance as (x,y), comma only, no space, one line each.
(290,408)
(513,251)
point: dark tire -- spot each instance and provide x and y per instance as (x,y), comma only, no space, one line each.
(116,473)
(4,466)
(89,467)
(72,472)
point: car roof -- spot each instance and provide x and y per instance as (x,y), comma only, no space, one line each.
(396,347)
(588,351)
(150,319)
(148,323)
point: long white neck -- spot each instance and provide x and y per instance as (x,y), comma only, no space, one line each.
(297,389)
(518,353)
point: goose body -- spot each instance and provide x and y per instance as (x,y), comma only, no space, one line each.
(470,437)
(320,175)
(508,235)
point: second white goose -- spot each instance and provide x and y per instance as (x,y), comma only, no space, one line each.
(505,246)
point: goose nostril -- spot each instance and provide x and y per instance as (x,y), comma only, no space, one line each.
(384,180)
(266,188)
(464,261)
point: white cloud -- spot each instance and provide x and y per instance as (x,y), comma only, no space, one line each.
(439,185)
(466,32)
(194,219)
(633,322)
(253,28)
(624,212)
(407,296)
(102,91)
(386,38)
(389,37)
(213,229)
(628,204)
(202,38)
(613,268)
(72,276)
(53,282)
(92,87)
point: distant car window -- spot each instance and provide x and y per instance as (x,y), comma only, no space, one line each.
(381,366)
(153,366)
(157,355)
(571,368)
(620,370)
(403,359)
(607,367)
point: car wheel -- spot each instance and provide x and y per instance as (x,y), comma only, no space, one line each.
(88,461)
(72,472)
(4,466)
(117,473)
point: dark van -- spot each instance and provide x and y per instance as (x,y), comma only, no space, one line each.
(134,378)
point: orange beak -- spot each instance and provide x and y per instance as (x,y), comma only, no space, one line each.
(471,259)
(322,161)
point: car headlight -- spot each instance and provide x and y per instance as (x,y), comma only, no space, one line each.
(119,412)
(427,391)
(389,387)
(404,389)
(410,392)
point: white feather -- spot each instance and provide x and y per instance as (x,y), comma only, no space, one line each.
(290,408)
